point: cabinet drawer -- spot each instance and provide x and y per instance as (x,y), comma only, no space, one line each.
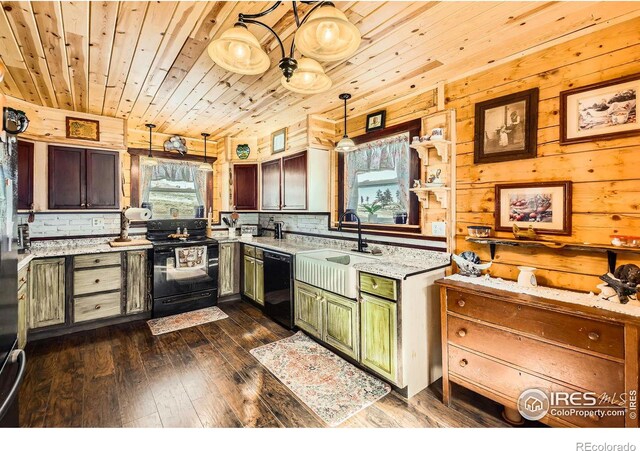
(23,274)
(96,280)
(249,250)
(583,333)
(96,260)
(95,307)
(565,365)
(510,382)
(259,253)
(378,285)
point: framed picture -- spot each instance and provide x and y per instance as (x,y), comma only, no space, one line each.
(604,110)
(375,121)
(279,140)
(506,128)
(87,129)
(544,206)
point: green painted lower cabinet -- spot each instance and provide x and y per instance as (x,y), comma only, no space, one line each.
(47,292)
(342,324)
(249,282)
(378,322)
(308,309)
(259,282)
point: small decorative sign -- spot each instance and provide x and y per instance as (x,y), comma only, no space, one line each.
(279,140)
(376,121)
(87,129)
(243,151)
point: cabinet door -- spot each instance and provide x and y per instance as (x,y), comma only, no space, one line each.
(23,306)
(294,182)
(245,186)
(342,324)
(260,282)
(308,309)
(249,274)
(136,278)
(271,185)
(226,269)
(66,178)
(46,292)
(379,335)
(25,175)
(102,178)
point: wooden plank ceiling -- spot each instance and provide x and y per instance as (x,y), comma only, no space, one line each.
(147,61)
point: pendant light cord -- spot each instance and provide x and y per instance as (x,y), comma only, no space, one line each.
(345,119)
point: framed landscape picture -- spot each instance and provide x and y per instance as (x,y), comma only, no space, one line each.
(544,206)
(506,128)
(604,110)
(376,121)
(279,140)
(78,128)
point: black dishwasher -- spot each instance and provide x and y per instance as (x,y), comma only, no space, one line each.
(278,287)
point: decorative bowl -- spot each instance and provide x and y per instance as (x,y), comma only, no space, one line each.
(479,231)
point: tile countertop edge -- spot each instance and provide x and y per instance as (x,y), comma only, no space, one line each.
(80,250)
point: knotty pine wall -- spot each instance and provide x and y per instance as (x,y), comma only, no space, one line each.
(605,174)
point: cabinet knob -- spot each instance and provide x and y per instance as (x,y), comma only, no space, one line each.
(594,336)
(374,285)
(83,205)
(318,297)
(23,280)
(461,303)
(97,280)
(88,205)
(594,416)
(462,332)
(97,260)
(463,362)
(21,297)
(98,307)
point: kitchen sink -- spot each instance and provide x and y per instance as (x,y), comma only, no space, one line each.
(330,270)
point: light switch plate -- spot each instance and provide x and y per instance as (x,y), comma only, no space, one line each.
(97,222)
(438,228)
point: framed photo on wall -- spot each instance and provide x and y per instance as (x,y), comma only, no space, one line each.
(604,110)
(506,128)
(376,121)
(77,128)
(279,140)
(544,206)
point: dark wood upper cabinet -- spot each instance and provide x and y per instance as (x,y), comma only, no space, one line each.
(294,182)
(25,175)
(245,186)
(271,173)
(83,178)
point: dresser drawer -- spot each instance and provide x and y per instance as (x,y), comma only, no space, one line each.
(565,365)
(96,280)
(249,250)
(510,382)
(259,253)
(584,333)
(96,260)
(378,285)
(96,307)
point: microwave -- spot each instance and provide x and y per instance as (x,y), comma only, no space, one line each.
(251,229)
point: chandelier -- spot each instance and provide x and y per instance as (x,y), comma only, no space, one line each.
(323,34)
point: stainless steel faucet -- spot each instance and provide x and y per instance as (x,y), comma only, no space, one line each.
(362,242)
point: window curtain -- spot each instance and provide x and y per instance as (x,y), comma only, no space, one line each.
(180,171)
(386,154)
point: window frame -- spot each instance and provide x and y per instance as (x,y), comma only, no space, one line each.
(414,225)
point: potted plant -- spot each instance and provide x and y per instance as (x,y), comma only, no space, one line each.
(372,209)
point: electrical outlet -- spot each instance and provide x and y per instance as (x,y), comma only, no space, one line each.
(438,228)
(97,222)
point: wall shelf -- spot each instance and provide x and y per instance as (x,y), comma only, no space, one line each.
(442,148)
(610,250)
(441,193)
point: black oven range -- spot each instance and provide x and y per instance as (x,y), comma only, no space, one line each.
(185,266)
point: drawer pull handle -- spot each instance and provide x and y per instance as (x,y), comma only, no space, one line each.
(98,307)
(461,303)
(594,416)
(463,362)
(21,297)
(97,280)
(594,336)
(462,332)
(23,280)
(374,285)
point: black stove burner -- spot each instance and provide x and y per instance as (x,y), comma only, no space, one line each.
(158,231)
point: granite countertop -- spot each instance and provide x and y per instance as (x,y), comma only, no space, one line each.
(395,267)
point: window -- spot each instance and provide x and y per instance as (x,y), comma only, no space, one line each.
(374,181)
(173,188)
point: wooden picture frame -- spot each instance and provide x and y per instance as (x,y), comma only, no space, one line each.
(279,140)
(523,199)
(582,112)
(506,128)
(376,121)
(86,129)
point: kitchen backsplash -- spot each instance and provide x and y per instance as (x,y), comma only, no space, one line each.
(51,225)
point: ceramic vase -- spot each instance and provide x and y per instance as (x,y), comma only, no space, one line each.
(527,278)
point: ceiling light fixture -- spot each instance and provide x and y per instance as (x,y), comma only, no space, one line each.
(324,33)
(150,161)
(205,166)
(346,144)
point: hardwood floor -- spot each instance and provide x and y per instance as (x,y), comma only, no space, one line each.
(122,376)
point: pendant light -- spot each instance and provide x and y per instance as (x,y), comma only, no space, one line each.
(327,35)
(238,50)
(308,78)
(346,144)
(205,166)
(150,161)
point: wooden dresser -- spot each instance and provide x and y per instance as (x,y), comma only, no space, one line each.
(499,343)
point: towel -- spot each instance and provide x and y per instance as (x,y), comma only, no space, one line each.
(189,258)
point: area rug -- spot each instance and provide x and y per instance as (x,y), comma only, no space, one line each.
(172,323)
(330,386)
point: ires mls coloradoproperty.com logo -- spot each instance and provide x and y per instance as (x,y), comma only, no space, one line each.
(534,404)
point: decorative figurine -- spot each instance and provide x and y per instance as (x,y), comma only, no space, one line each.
(434,178)
(469,264)
(624,281)
(529,234)
(437,134)
(417,184)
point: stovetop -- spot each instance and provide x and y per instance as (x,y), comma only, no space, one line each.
(158,232)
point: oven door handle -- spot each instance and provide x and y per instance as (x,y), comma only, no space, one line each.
(16,356)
